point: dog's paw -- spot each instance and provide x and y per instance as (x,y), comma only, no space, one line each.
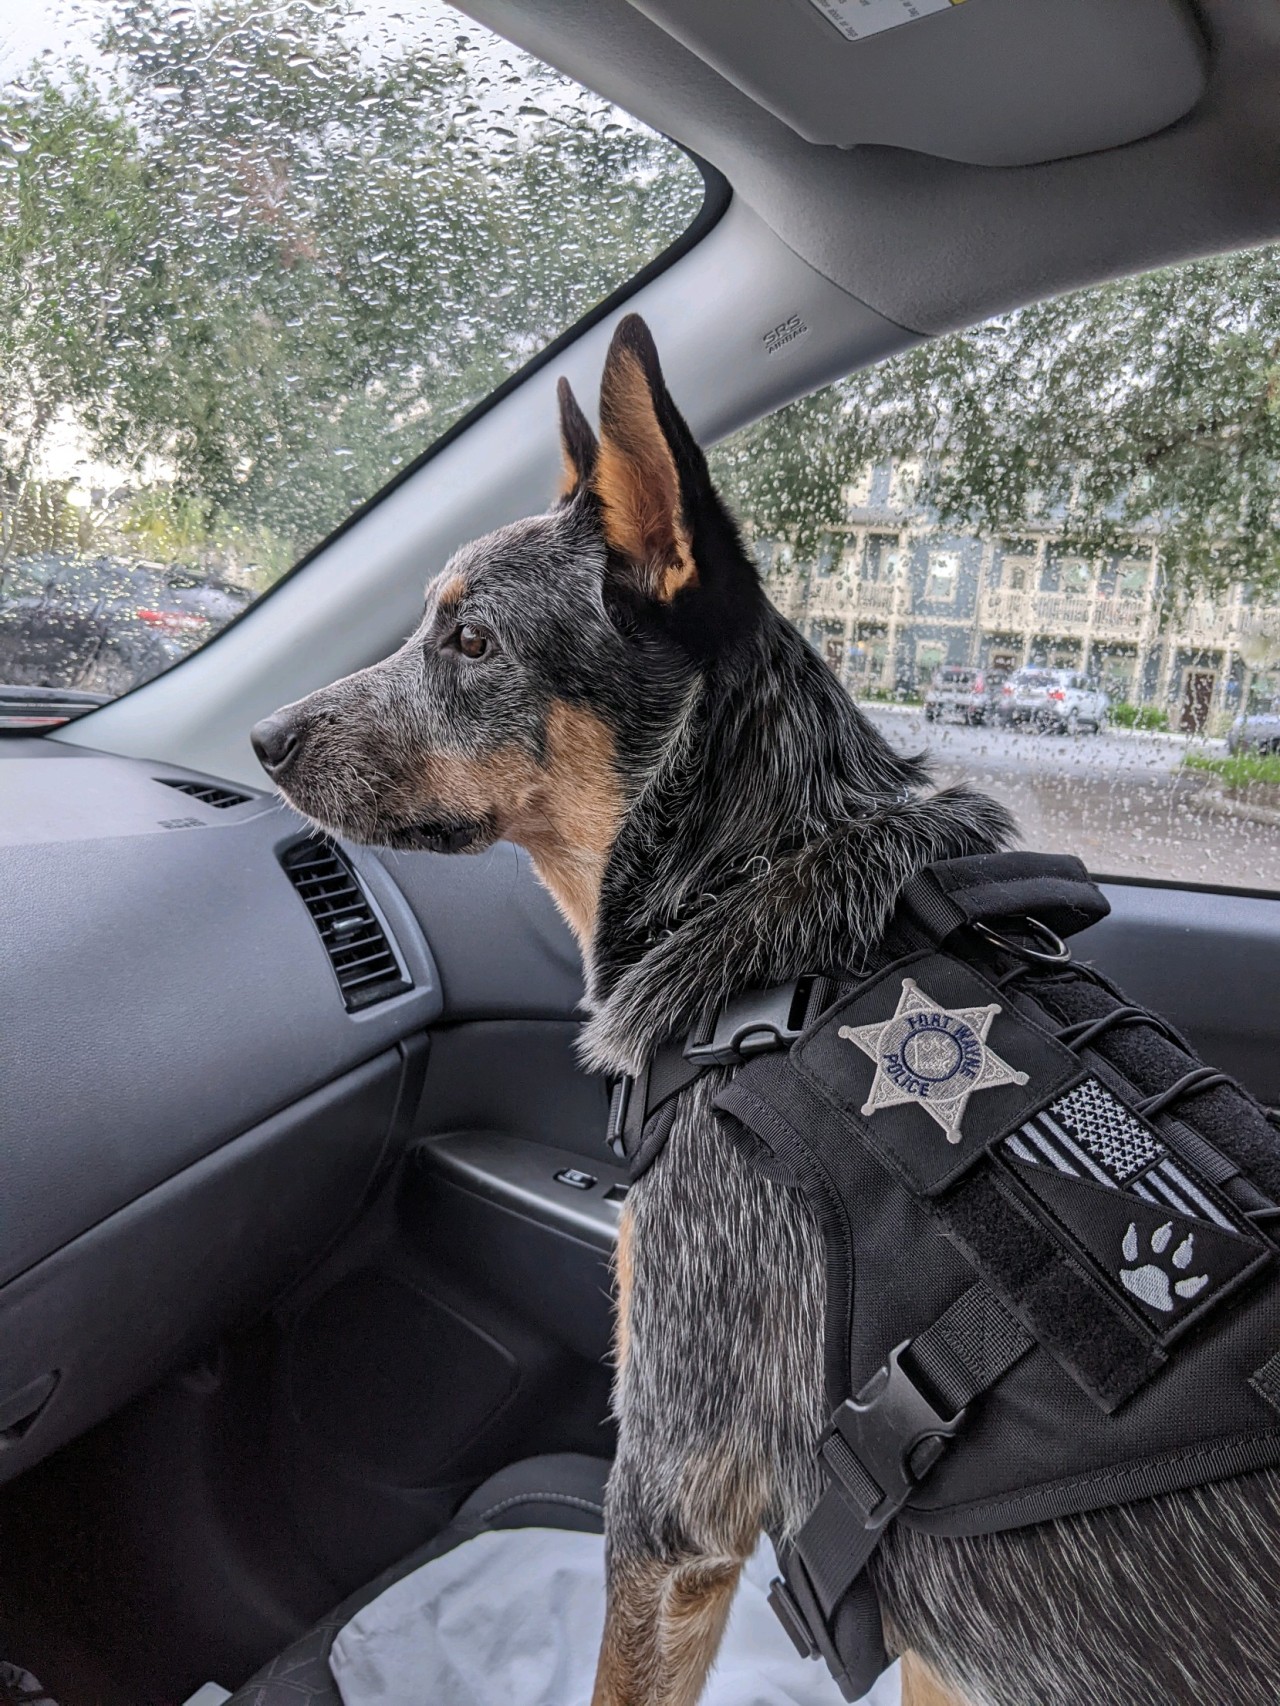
(1151,1282)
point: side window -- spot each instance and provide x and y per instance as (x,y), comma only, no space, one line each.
(888,559)
(857,494)
(1066,509)
(930,655)
(904,483)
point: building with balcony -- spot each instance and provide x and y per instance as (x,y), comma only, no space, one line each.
(891,595)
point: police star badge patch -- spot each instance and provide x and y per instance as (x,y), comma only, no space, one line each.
(932,1056)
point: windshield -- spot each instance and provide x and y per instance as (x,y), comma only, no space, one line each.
(254,259)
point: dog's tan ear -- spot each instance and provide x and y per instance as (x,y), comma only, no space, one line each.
(577,444)
(637,479)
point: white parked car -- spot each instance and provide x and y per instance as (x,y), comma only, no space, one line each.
(1061,699)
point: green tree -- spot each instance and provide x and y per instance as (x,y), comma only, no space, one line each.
(278,263)
(75,222)
(1147,406)
(786,474)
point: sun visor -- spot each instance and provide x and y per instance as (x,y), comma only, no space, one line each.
(987,82)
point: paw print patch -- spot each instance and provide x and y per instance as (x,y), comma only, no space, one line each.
(1154,1282)
(1165,1266)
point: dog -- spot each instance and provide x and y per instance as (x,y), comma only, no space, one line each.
(607,685)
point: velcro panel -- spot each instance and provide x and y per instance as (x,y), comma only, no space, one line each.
(1104,1347)
(930,1065)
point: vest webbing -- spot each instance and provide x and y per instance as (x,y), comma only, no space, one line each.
(1051,1283)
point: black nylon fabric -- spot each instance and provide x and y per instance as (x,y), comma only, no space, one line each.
(993,886)
(919,1271)
(1228,1116)
(1037,1446)
(1126,1414)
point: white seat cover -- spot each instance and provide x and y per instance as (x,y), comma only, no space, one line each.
(513,1618)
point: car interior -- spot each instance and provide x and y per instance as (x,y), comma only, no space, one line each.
(309,1217)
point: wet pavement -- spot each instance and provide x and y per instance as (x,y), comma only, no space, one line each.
(1119,799)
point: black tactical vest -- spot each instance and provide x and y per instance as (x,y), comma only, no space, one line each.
(1051,1283)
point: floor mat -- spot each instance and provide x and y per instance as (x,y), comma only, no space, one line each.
(515,1616)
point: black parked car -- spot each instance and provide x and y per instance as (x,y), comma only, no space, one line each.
(104,624)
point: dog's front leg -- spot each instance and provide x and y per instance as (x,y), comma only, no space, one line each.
(668,1595)
(718,1396)
(690,1486)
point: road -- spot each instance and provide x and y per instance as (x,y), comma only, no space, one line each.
(1120,800)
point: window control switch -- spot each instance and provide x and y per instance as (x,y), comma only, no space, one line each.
(575,1178)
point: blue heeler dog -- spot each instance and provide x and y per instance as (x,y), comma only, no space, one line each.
(607,685)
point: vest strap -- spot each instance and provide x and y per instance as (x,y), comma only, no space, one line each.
(761,1021)
(877,1449)
(1053,889)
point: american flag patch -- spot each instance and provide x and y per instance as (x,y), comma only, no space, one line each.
(1090,1134)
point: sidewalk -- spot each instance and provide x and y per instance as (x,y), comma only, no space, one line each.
(1209,795)
(1161,737)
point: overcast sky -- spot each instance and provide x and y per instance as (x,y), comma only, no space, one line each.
(66,29)
(28,27)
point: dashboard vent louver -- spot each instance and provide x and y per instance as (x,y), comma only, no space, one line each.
(209,792)
(363,960)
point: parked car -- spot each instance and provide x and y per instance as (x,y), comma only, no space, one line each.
(1259,732)
(1061,699)
(104,624)
(970,694)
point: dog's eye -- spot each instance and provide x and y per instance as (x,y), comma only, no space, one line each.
(472,642)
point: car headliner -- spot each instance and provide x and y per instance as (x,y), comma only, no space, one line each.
(929,243)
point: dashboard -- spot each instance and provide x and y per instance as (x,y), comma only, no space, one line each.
(212,1053)
(192,1106)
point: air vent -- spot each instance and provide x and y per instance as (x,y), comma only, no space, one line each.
(209,792)
(363,961)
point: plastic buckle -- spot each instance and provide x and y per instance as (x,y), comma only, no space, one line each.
(619,1102)
(792,1619)
(894,1433)
(750,1024)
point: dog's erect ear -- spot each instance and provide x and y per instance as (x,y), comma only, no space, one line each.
(577,444)
(648,470)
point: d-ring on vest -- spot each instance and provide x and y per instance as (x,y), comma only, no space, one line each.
(1051,1283)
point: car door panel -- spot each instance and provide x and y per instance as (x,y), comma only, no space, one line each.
(1205,960)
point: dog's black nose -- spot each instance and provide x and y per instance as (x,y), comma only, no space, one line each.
(276,741)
